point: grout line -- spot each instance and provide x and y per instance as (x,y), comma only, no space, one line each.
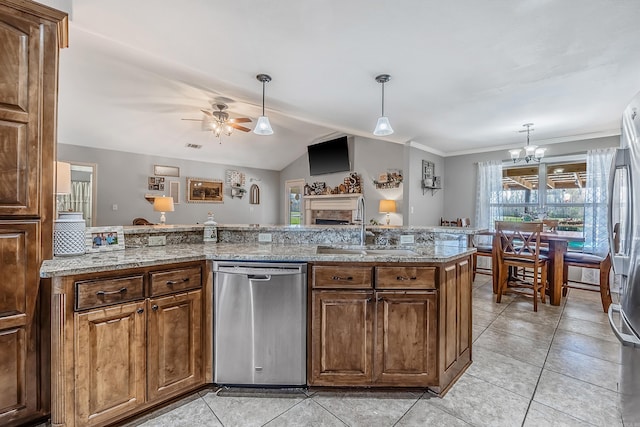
(410,407)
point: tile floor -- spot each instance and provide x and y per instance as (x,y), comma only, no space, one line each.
(557,367)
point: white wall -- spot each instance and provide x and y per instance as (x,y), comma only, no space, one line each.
(422,207)
(461,172)
(122,180)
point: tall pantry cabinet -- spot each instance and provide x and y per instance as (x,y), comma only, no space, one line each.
(30,38)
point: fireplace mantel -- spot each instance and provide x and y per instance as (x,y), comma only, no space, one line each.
(345,206)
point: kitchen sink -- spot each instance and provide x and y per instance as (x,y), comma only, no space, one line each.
(363,251)
(397,252)
(339,251)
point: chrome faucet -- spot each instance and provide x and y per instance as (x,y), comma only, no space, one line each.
(362,215)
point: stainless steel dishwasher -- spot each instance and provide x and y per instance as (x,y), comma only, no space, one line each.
(260,323)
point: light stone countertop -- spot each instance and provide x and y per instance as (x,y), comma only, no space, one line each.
(148,256)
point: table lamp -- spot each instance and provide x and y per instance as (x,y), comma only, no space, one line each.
(163,204)
(387,206)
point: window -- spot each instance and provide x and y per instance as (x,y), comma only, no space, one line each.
(546,190)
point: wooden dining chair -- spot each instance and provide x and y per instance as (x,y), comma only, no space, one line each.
(483,249)
(518,246)
(601,263)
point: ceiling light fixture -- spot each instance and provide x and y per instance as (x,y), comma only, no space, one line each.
(383,127)
(531,152)
(263,127)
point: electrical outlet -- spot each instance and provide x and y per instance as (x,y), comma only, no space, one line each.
(406,239)
(264,237)
(157,240)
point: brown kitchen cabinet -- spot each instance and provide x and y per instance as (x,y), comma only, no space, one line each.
(408,326)
(30,37)
(119,349)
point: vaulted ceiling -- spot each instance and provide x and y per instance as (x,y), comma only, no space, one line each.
(465,74)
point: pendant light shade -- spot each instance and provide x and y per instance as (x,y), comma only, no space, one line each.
(383,127)
(263,127)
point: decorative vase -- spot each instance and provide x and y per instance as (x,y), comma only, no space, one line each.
(69,234)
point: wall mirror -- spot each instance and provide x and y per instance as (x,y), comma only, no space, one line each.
(83,194)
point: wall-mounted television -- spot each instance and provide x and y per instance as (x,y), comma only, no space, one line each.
(329,157)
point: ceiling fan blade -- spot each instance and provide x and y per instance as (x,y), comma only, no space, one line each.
(240,120)
(239,127)
(193,120)
(208,113)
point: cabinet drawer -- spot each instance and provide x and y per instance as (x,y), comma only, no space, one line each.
(336,277)
(170,281)
(405,277)
(101,292)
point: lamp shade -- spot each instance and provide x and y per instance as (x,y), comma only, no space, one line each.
(163,204)
(63,178)
(387,206)
(383,127)
(263,127)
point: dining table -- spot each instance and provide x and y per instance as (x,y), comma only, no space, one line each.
(558,242)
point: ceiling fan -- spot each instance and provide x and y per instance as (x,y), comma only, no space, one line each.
(218,121)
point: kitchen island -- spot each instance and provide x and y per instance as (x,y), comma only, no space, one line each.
(133,329)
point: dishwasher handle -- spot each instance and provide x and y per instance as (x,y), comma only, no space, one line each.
(259,277)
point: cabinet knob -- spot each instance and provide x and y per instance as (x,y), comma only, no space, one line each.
(140,310)
(154,307)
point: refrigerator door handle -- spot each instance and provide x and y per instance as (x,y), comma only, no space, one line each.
(622,160)
(625,339)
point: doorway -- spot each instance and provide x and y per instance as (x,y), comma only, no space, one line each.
(294,194)
(83,194)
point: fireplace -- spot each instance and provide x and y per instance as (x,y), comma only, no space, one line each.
(332,208)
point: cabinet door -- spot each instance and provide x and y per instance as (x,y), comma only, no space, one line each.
(174,344)
(341,347)
(110,362)
(20,150)
(19,243)
(406,338)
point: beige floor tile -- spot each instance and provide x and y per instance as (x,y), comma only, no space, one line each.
(585,327)
(503,371)
(241,410)
(477,331)
(424,413)
(189,412)
(585,344)
(510,345)
(306,413)
(543,416)
(482,404)
(585,310)
(523,328)
(368,407)
(483,318)
(585,368)
(579,399)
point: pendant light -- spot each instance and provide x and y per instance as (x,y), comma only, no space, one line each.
(531,152)
(383,127)
(263,127)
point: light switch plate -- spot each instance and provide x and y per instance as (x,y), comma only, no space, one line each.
(264,237)
(406,239)
(157,240)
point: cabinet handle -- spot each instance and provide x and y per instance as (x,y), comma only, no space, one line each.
(368,299)
(406,278)
(104,293)
(154,307)
(379,299)
(342,278)
(140,310)
(175,282)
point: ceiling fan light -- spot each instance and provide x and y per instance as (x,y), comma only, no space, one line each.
(383,127)
(263,127)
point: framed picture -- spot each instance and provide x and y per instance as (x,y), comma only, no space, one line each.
(103,239)
(174,191)
(166,170)
(201,190)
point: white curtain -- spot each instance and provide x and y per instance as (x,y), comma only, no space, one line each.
(488,195)
(79,200)
(596,239)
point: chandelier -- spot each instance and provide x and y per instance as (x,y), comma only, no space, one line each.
(531,152)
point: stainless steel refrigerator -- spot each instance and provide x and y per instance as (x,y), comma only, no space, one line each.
(624,208)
